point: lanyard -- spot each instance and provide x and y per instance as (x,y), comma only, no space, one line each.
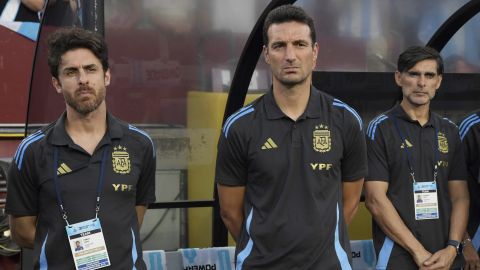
(57,184)
(409,159)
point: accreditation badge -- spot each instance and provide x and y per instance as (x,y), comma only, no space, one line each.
(425,199)
(88,245)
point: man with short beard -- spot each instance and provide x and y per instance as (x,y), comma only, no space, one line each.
(414,152)
(88,177)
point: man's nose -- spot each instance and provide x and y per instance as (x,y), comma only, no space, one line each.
(422,80)
(290,53)
(82,76)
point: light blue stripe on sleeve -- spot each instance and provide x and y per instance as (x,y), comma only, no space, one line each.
(372,123)
(465,123)
(340,103)
(134,251)
(43,257)
(238,116)
(22,144)
(229,119)
(384,254)
(372,127)
(22,152)
(134,128)
(466,120)
(374,130)
(242,256)
(341,254)
(467,127)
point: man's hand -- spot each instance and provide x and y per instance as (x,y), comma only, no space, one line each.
(472,261)
(441,259)
(421,256)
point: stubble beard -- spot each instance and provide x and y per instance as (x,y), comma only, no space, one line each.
(85,107)
(415,103)
(289,83)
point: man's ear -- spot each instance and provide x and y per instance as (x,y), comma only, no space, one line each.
(107,77)
(265,54)
(439,82)
(57,85)
(398,78)
(315,54)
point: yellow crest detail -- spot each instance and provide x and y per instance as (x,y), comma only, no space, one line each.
(322,141)
(120,160)
(442,143)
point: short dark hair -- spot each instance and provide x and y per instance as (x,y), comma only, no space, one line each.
(410,57)
(288,13)
(66,39)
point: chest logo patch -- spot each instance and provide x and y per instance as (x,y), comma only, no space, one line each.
(269,144)
(63,169)
(406,143)
(121,160)
(442,143)
(322,141)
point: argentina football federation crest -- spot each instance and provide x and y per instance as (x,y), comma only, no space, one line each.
(322,141)
(442,143)
(120,160)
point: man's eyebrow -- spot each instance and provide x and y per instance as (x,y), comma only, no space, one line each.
(278,42)
(301,40)
(89,66)
(414,72)
(71,68)
(297,41)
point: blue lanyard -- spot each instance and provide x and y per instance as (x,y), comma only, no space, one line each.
(101,180)
(409,159)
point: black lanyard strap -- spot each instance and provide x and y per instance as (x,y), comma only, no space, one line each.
(101,180)
(409,158)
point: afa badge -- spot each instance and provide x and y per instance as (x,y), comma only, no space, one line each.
(120,160)
(322,141)
(442,143)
